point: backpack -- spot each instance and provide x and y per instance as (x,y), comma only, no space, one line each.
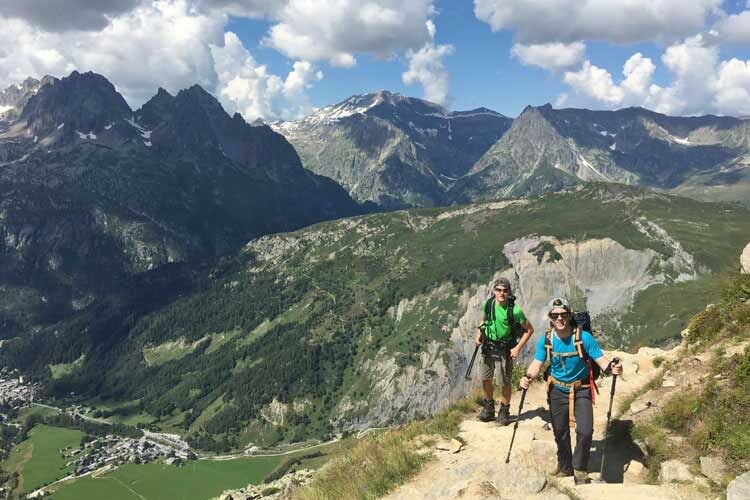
(580,321)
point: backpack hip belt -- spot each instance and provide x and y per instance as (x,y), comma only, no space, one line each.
(495,349)
(573,387)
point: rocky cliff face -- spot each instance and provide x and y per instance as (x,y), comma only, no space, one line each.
(598,275)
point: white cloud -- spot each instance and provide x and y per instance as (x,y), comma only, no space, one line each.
(249,88)
(735,28)
(338,30)
(427,69)
(553,56)
(595,82)
(701,82)
(296,84)
(621,21)
(638,71)
(161,44)
(166,44)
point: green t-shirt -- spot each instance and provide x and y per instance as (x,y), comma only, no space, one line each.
(500,328)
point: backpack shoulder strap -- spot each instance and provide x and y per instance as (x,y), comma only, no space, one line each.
(548,344)
(489,309)
(578,341)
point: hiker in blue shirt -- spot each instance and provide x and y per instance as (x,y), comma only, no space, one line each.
(570,386)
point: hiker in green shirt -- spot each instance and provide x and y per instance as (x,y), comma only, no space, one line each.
(499,349)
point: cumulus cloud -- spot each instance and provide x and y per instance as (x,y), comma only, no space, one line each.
(595,82)
(735,28)
(160,44)
(338,30)
(61,15)
(168,44)
(553,56)
(427,69)
(249,88)
(621,21)
(701,82)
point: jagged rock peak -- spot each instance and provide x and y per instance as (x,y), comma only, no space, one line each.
(81,101)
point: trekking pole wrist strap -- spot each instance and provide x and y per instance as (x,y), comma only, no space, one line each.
(608,370)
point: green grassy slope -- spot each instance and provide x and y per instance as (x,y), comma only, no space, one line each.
(309,310)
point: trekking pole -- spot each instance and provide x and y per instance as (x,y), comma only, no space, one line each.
(609,414)
(471,363)
(474,356)
(515,426)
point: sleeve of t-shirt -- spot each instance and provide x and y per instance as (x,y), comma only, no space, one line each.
(541,352)
(518,315)
(591,346)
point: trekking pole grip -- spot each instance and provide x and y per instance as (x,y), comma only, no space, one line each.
(614,378)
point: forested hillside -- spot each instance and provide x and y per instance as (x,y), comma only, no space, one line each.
(367,321)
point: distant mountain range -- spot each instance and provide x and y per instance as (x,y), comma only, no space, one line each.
(92,192)
(548,149)
(393,150)
(399,151)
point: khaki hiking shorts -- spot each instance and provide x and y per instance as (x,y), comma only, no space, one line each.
(500,369)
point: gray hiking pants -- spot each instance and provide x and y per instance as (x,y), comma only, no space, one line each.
(584,415)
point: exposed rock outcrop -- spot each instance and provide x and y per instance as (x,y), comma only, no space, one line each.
(282,488)
(745,259)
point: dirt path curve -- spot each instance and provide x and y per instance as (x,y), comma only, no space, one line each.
(478,470)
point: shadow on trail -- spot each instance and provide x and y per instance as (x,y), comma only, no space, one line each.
(621,450)
(540,412)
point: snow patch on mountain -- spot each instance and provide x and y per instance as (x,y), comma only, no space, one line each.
(432,132)
(88,135)
(684,142)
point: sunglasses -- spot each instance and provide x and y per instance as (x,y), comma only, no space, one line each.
(501,290)
(558,315)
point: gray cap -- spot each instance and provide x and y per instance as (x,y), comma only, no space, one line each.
(558,302)
(502,283)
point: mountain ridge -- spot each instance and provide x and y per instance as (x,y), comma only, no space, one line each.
(88,188)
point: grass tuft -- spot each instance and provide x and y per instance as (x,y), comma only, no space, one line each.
(656,447)
(378,464)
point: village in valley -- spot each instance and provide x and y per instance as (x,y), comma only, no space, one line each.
(95,453)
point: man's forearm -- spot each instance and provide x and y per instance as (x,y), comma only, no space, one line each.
(534,369)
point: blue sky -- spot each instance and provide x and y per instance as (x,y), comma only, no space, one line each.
(482,70)
(282,59)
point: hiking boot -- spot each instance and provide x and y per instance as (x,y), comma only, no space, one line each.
(558,472)
(581,477)
(488,410)
(503,416)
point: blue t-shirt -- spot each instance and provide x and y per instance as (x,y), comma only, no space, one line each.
(571,368)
